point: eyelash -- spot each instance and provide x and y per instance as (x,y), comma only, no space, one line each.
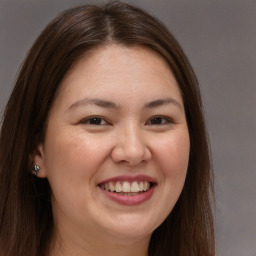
(97,120)
(167,120)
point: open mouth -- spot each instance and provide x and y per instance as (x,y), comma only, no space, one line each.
(127,188)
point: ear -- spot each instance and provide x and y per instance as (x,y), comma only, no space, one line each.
(38,159)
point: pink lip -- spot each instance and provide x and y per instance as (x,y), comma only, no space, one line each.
(129,178)
(132,199)
(129,200)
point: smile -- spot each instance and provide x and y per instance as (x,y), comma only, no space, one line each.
(127,187)
(127,190)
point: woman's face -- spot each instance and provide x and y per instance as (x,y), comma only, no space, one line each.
(117,145)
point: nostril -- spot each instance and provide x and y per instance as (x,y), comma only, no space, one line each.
(130,155)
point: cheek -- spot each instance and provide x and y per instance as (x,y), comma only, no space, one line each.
(62,157)
(171,163)
(71,163)
(73,157)
(174,154)
(173,160)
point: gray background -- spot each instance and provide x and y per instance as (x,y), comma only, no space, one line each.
(219,37)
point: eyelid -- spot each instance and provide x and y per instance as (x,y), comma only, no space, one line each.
(168,120)
(86,120)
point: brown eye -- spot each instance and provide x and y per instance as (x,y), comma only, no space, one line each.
(160,120)
(94,121)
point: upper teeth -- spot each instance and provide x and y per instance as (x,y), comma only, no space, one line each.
(126,186)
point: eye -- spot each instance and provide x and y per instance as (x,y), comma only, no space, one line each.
(95,120)
(160,120)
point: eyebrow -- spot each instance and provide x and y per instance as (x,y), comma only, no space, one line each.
(161,102)
(97,102)
(112,105)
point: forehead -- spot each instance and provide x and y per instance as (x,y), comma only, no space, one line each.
(118,57)
(112,69)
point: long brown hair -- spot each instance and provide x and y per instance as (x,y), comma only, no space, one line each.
(26,222)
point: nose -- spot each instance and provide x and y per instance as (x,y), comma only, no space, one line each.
(130,147)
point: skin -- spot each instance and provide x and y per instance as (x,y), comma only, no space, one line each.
(77,155)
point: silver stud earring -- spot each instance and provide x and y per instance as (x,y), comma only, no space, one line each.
(36,169)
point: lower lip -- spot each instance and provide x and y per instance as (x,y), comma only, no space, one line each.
(129,200)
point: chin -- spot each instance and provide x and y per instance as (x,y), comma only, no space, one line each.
(129,227)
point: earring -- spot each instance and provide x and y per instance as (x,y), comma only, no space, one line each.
(36,169)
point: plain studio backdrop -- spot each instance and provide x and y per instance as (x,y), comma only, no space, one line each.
(219,37)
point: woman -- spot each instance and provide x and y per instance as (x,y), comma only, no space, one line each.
(103,142)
